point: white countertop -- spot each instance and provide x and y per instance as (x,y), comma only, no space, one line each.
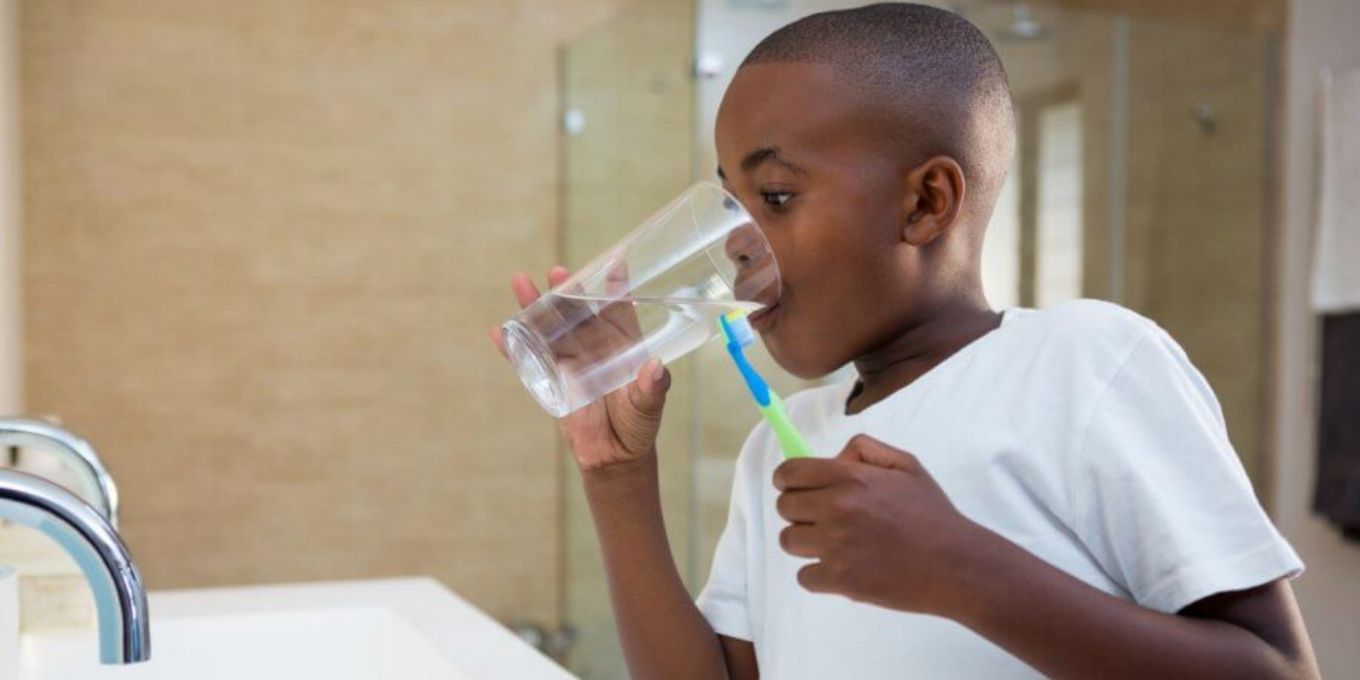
(399,628)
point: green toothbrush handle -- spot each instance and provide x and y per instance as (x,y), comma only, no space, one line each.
(789,439)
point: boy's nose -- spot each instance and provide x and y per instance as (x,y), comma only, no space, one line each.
(745,247)
(757,275)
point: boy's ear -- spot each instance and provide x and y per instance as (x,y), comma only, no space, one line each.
(934,199)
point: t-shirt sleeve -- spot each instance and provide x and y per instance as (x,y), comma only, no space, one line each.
(1159,496)
(723,601)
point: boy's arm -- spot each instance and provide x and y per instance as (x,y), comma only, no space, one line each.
(614,443)
(741,658)
(662,631)
(885,533)
(1065,628)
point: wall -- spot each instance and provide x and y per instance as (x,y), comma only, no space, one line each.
(11,356)
(1196,209)
(263,242)
(1321,33)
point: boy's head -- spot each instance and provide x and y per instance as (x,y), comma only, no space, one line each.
(870,144)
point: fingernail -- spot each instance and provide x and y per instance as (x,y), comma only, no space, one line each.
(659,372)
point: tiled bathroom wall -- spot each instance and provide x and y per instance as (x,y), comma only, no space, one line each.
(263,242)
(10,351)
(262,246)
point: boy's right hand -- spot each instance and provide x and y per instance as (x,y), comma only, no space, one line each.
(619,428)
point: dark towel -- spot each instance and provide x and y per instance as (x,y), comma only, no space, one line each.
(1336,493)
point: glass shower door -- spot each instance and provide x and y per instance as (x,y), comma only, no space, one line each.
(627,135)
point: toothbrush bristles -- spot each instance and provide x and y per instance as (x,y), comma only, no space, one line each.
(740,328)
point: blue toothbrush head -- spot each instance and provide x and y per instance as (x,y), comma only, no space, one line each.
(738,334)
(736,329)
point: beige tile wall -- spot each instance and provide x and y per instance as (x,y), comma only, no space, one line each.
(11,357)
(263,243)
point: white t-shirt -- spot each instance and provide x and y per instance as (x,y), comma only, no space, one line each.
(1081,433)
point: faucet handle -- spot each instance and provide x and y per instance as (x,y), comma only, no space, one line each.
(74,453)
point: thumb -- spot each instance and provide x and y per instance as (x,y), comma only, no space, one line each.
(647,393)
(865,449)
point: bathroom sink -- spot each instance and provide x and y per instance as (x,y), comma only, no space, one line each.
(412,629)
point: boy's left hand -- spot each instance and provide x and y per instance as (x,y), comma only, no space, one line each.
(882,529)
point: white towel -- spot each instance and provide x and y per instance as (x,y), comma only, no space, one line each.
(1336,263)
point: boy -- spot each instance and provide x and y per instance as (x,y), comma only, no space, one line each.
(1015,493)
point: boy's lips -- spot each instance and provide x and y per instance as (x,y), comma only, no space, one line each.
(763,319)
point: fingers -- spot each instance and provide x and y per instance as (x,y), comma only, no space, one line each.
(557,276)
(524,289)
(809,473)
(866,449)
(634,412)
(616,279)
(815,578)
(498,339)
(526,293)
(802,505)
(801,540)
(620,314)
(622,320)
(816,473)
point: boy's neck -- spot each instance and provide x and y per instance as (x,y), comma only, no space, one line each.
(919,348)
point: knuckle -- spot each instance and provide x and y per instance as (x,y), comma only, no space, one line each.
(835,508)
(781,476)
(843,506)
(836,540)
(847,471)
(910,460)
(836,570)
(861,475)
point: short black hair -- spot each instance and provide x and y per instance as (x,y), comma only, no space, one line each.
(930,64)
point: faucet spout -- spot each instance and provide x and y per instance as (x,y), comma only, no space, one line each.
(96,485)
(90,539)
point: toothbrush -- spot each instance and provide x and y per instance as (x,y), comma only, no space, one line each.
(738,334)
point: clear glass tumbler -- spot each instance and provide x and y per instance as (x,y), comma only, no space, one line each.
(657,293)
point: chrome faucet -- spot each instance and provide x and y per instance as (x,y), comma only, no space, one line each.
(89,537)
(96,483)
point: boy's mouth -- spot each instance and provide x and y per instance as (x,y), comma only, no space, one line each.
(759,285)
(764,318)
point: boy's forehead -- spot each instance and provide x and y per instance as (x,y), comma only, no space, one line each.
(797,107)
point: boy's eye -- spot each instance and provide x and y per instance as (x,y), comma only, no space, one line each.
(776,198)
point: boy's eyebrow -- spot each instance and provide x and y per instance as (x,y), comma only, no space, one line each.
(760,156)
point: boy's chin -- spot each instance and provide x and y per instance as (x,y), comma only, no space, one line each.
(801,367)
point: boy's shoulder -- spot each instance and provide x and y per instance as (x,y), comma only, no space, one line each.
(1083,326)
(1089,336)
(1090,314)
